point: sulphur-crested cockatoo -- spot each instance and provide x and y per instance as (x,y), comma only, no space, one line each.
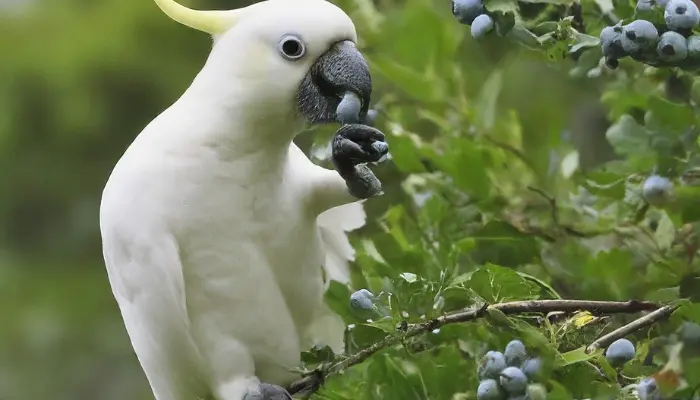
(216,227)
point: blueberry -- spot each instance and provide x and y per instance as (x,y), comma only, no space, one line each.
(482,25)
(648,390)
(611,42)
(532,367)
(619,352)
(693,43)
(363,299)
(489,390)
(348,110)
(515,353)
(638,36)
(492,363)
(466,11)
(513,380)
(672,47)
(681,15)
(657,190)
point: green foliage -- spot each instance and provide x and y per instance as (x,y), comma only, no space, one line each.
(517,174)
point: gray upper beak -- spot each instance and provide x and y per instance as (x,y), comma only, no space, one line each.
(339,70)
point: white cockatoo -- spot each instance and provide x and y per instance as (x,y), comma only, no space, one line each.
(216,227)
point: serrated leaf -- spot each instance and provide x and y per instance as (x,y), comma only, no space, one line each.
(497,284)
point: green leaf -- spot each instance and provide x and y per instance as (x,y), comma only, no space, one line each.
(501,243)
(465,164)
(582,41)
(503,6)
(411,81)
(317,355)
(338,298)
(364,335)
(669,117)
(497,284)
(522,35)
(575,356)
(665,232)
(628,137)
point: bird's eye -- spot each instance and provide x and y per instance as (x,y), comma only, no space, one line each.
(292,47)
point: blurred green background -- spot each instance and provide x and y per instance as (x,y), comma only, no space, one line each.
(79,79)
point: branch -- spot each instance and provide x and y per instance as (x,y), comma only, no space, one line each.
(633,326)
(311,383)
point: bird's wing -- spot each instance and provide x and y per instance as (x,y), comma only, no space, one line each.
(333,225)
(145,273)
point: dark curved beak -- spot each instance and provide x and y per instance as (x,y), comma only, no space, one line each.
(339,70)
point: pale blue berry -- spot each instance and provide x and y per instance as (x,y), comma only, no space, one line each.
(513,380)
(491,365)
(532,367)
(489,390)
(482,25)
(611,42)
(638,36)
(693,43)
(672,47)
(619,352)
(657,190)
(515,353)
(467,10)
(362,299)
(681,15)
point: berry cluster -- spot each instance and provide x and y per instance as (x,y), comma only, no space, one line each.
(472,13)
(505,376)
(669,45)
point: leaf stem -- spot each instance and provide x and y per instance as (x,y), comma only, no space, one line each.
(311,383)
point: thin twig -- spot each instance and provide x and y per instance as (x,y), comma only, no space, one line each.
(310,384)
(552,203)
(633,326)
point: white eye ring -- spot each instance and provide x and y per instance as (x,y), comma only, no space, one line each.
(291,47)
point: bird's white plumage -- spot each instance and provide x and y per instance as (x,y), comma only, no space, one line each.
(210,221)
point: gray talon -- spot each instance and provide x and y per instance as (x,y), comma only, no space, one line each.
(268,391)
(353,147)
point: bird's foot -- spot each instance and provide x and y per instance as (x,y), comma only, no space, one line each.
(267,391)
(355,145)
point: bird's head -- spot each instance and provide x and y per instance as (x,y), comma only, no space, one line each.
(282,56)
